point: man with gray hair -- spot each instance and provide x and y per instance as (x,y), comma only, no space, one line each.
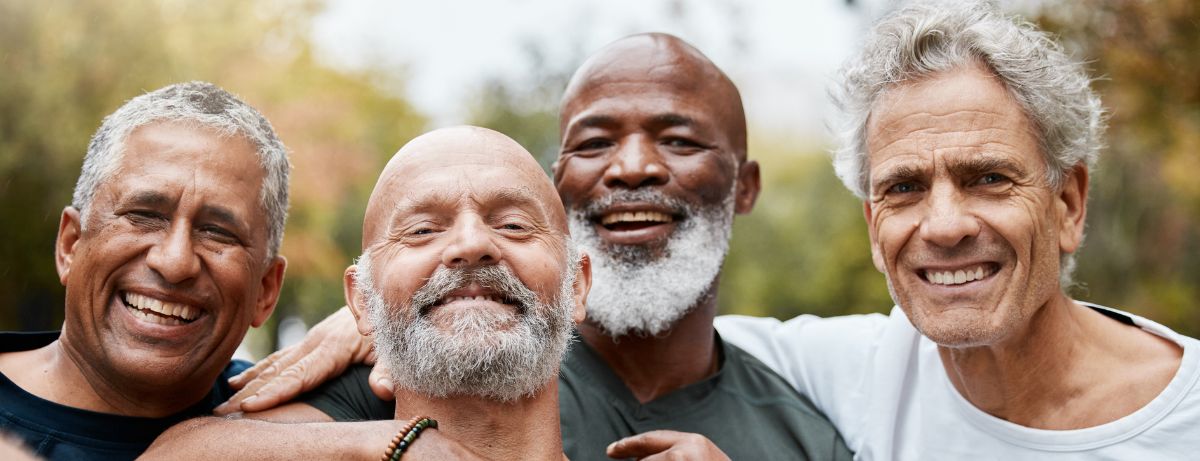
(168,252)
(969,136)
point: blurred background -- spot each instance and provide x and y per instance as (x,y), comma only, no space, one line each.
(347,83)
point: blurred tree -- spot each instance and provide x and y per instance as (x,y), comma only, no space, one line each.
(66,64)
(1143,241)
(804,249)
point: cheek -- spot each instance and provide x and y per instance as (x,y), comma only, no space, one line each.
(893,230)
(703,175)
(579,176)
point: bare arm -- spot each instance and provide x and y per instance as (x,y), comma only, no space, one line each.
(294,431)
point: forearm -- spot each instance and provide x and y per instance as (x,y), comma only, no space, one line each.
(248,439)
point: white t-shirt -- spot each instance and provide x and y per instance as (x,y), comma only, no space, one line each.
(882,384)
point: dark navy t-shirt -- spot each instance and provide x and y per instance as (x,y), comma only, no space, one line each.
(59,432)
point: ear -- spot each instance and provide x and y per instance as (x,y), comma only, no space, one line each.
(583,284)
(876,252)
(70,229)
(272,283)
(1072,209)
(748,186)
(355,301)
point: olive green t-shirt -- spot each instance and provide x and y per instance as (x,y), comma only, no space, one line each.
(746,409)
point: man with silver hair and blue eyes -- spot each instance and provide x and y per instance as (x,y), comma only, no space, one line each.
(969,136)
(169,253)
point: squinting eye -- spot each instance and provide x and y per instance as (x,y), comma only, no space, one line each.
(991,178)
(903,188)
(593,144)
(512,227)
(422,231)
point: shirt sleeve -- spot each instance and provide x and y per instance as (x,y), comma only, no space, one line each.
(349,398)
(827,359)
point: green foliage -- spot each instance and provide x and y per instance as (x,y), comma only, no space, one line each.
(1144,211)
(804,249)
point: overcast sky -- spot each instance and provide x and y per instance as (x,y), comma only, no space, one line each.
(781,53)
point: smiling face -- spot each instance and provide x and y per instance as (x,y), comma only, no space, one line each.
(467,267)
(961,217)
(171,267)
(652,168)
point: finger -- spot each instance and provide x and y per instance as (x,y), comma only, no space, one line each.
(370,358)
(290,384)
(645,444)
(381,382)
(240,380)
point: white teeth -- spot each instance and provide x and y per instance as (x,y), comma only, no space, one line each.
(175,311)
(957,277)
(635,216)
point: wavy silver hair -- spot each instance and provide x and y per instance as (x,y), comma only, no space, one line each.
(207,105)
(930,37)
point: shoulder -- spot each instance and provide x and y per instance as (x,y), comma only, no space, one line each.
(348,397)
(749,379)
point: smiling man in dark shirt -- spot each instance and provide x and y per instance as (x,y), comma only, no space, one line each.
(169,253)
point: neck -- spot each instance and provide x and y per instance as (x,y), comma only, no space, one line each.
(1068,368)
(525,429)
(653,366)
(73,378)
(58,373)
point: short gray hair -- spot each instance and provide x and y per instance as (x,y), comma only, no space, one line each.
(931,37)
(204,104)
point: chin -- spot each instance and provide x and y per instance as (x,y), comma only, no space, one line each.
(960,328)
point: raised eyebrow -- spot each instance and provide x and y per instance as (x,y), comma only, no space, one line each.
(977,164)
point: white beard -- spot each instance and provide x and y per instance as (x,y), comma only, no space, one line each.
(637,292)
(476,357)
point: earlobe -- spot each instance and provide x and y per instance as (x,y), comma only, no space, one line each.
(1073,209)
(272,284)
(749,185)
(70,228)
(583,285)
(354,300)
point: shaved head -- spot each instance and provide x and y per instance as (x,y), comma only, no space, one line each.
(468,280)
(457,148)
(666,60)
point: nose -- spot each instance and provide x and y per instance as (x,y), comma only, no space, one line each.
(636,164)
(948,220)
(174,257)
(471,245)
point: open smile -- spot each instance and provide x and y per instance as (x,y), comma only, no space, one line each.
(958,276)
(158,311)
(633,224)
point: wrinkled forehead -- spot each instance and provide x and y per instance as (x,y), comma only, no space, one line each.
(455,176)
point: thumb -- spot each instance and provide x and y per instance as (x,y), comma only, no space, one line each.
(381,382)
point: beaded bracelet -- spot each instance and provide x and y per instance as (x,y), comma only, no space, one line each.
(407,435)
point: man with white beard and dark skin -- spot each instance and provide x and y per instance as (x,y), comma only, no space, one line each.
(652,169)
(470,287)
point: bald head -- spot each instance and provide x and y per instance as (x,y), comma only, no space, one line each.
(663,61)
(460,162)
